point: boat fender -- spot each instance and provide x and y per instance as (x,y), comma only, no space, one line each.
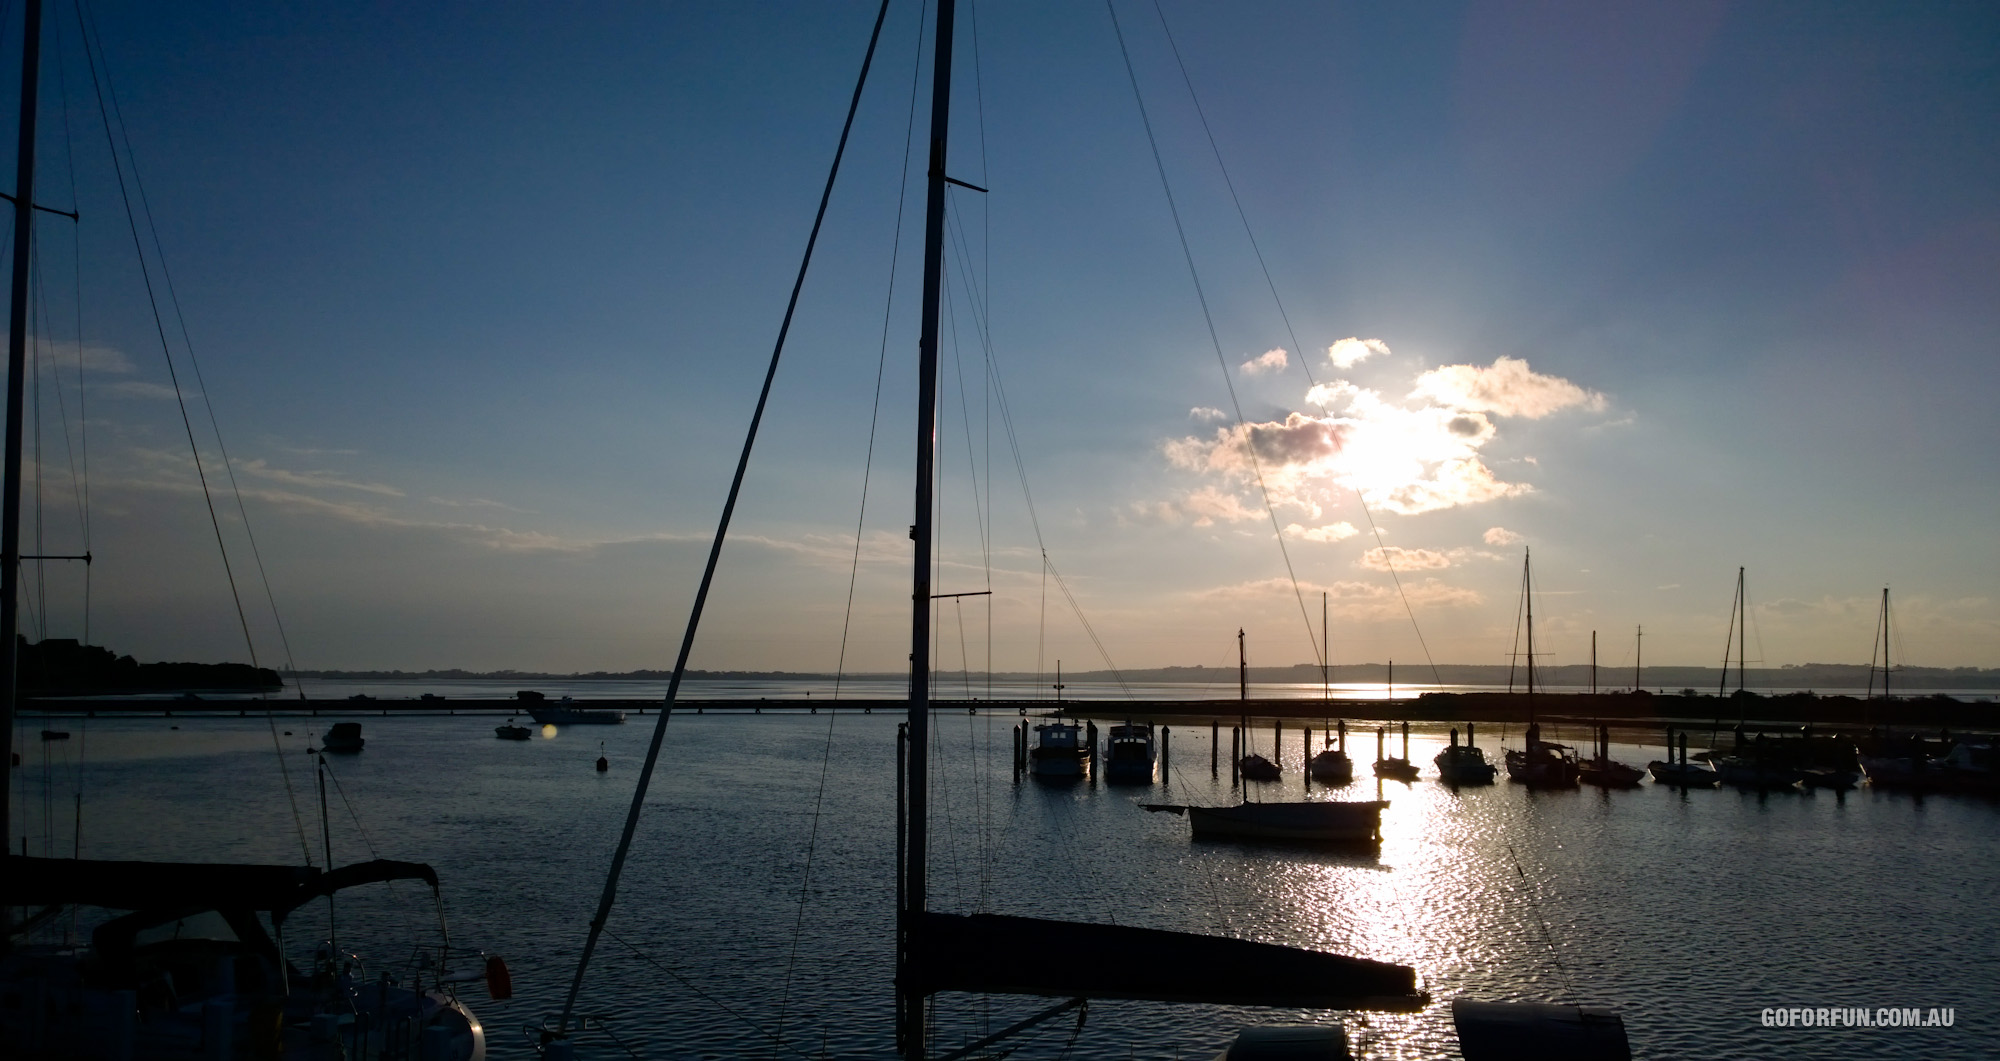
(499,984)
(603,764)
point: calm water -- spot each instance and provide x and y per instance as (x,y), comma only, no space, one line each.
(1687,912)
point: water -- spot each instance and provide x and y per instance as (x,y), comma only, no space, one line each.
(946,686)
(1688,912)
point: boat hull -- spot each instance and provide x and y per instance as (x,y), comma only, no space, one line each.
(1310,821)
(1679,776)
(1331,768)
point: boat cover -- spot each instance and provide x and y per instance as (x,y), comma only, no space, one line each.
(997,954)
(30,881)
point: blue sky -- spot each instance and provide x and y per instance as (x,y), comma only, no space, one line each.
(482,296)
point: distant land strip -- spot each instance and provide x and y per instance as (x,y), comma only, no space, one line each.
(1662,678)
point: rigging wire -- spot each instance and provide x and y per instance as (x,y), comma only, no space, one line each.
(860,521)
(194,364)
(982,327)
(92,45)
(603,912)
(1388,562)
(1215,340)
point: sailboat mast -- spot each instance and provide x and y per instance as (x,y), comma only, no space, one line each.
(1743,628)
(1528,594)
(1242,668)
(1325,654)
(910,1001)
(1638,656)
(1885,642)
(17,361)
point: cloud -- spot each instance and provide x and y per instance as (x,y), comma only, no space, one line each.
(1502,536)
(1397,558)
(1407,458)
(262,470)
(133,388)
(1268,361)
(62,355)
(1507,387)
(1332,532)
(1203,412)
(1354,600)
(1208,504)
(1350,352)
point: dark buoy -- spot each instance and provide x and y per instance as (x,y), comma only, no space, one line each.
(603,764)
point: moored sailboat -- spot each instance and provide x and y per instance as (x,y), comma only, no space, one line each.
(1539,764)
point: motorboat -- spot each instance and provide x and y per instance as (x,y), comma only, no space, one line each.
(343,737)
(1063,751)
(509,731)
(1464,764)
(1129,755)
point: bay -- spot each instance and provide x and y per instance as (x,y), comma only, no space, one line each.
(1688,912)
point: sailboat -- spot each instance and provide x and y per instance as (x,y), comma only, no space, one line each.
(1401,769)
(1541,764)
(186,968)
(1332,766)
(1760,762)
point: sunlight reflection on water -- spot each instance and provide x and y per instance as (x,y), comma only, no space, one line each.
(1686,911)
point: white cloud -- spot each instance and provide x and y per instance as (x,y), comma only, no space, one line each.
(1268,361)
(1332,532)
(1407,458)
(133,388)
(61,355)
(1350,352)
(1507,387)
(1502,536)
(1208,504)
(1203,412)
(262,470)
(1397,558)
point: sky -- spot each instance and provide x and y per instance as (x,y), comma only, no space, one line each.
(481,296)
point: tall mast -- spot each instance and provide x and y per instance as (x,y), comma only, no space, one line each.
(1528,594)
(1638,656)
(17,360)
(1325,654)
(1242,668)
(1593,663)
(1743,628)
(1885,642)
(910,995)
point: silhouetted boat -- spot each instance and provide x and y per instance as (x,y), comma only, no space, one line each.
(1401,769)
(1682,774)
(1464,764)
(1332,766)
(1605,772)
(1062,752)
(1311,821)
(1258,768)
(509,731)
(1129,755)
(343,737)
(1540,764)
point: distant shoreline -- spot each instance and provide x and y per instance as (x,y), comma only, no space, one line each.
(1701,679)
